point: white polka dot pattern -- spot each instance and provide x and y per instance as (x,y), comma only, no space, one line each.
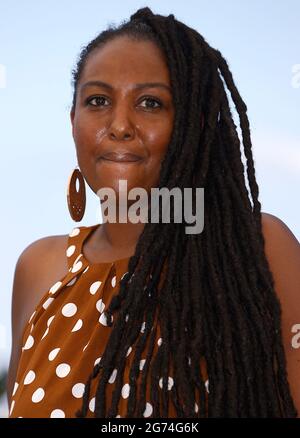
(170,383)
(69,310)
(97,361)
(32,316)
(78,390)
(50,320)
(29,378)
(55,287)
(77,266)
(74,232)
(142,363)
(65,338)
(52,355)
(84,348)
(113,376)
(29,343)
(71,250)
(94,287)
(92,404)
(143,327)
(45,334)
(48,302)
(57,413)
(125,390)
(103,319)
(207,386)
(63,370)
(148,411)
(100,306)
(38,395)
(124,275)
(77,326)
(15,388)
(12,407)
(72,282)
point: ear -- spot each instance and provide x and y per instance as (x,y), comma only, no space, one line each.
(72,115)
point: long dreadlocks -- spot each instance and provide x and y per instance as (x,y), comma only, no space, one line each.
(217,300)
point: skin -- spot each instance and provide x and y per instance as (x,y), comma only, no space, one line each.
(125,121)
(282,250)
(137,120)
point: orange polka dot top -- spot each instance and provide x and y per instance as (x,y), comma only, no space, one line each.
(66,336)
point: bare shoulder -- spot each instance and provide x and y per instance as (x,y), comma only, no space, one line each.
(282,250)
(39,265)
(272,223)
(283,254)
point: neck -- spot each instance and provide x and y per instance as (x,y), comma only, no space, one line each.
(120,237)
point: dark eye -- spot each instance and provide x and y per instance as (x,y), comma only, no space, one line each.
(98,99)
(152,102)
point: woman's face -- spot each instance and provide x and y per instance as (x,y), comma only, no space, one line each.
(117,110)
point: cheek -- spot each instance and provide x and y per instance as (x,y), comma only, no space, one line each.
(84,139)
(84,134)
(99,134)
(158,140)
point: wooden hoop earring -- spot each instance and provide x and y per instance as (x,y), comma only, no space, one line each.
(76,199)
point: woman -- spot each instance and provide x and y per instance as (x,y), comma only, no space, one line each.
(196,329)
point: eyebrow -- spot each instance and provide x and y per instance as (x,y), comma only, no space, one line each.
(136,86)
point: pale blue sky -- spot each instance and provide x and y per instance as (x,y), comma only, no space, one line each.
(39,43)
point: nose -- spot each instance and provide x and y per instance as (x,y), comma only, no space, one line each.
(121,127)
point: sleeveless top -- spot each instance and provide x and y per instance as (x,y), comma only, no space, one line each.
(66,336)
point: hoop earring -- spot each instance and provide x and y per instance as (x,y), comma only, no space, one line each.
(76,199)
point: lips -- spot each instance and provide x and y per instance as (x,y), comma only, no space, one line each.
(121,157)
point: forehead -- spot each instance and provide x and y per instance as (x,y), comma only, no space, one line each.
(124,59)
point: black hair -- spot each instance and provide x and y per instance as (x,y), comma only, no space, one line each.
(217,301)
